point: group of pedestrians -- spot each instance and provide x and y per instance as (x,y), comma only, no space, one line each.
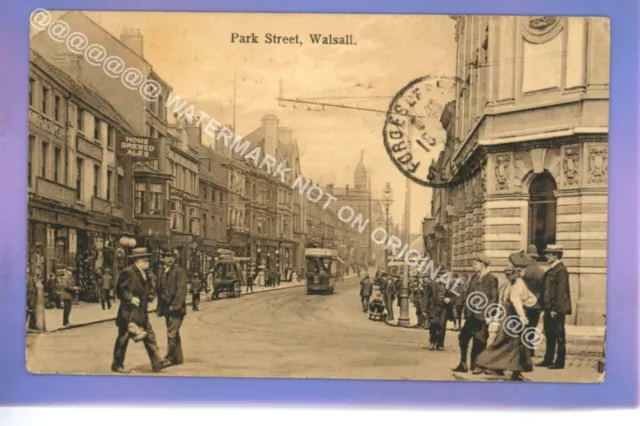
(136,289)
(528,292)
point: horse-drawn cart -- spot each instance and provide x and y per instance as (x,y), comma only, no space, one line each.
(227,276)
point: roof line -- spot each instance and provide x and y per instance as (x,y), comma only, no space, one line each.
(109,33)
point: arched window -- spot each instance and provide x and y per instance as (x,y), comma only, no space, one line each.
(542,211)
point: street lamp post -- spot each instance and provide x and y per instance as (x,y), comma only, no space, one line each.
(258,262)
(278,264)
(387,200)
(403,319)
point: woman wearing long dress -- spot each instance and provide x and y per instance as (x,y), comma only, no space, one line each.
(508,351)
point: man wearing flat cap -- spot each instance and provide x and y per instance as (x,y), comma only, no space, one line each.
(476,326)
(533,278)
(556,304)
(135,291)
(172,305)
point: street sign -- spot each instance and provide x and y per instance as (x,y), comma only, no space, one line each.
(138,148)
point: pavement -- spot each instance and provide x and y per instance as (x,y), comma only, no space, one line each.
(584,342)
(86,313)
(277,334)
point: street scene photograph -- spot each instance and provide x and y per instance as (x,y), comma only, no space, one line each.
(327,196)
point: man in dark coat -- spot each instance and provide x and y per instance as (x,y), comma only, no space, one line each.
(172,304)
(366,288)
(135,291)
(424,302)
(438,299)
(460,285)
(68,291)
(485,285)
(106,281)
(533,277)
(196,289)
(31,299)
(556,304)
(389,295)
(416,292)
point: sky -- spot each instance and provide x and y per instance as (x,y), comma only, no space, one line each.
(194,54)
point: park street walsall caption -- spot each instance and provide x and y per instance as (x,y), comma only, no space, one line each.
(271,38)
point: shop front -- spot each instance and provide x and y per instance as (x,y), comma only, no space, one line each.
(285,257)
(60,238)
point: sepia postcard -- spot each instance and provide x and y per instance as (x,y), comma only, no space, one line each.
(391,197)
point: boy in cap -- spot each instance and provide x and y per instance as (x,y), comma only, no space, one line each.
(556,304)
(483,285)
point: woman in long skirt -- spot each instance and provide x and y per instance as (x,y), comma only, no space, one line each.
(508,351)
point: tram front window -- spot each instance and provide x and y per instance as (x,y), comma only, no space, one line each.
(326,265)
(312,266)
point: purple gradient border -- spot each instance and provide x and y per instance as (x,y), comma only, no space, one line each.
(620,387)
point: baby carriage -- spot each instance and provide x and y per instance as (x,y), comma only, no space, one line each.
(376,311)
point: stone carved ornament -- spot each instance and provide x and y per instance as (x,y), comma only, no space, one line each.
(484,178)
(478,185)
(598,164)
(502,172)
(540,23)
(571,165)
(538,29)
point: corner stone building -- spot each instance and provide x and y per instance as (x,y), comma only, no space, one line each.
(526,154)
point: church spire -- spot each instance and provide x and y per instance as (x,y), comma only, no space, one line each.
(360,175)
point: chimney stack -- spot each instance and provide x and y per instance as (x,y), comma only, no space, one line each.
(70,63)
(133,40)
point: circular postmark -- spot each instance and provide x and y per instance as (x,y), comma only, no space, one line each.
(408,133)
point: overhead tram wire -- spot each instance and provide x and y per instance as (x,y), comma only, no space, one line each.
(324,104)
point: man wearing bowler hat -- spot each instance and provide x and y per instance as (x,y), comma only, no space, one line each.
(533,278)
(172,305)
(556,304)
(483,285)
(134,290)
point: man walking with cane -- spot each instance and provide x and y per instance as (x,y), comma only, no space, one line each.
(476,327)
(135,291)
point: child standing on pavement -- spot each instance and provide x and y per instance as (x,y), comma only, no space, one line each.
(196,289)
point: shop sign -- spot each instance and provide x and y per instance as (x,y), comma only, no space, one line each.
(71,221)
(46,125)
(181,239)
(41,215)
(55,191)
(89,148)
(98,229)
(138,148)
(100,206)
